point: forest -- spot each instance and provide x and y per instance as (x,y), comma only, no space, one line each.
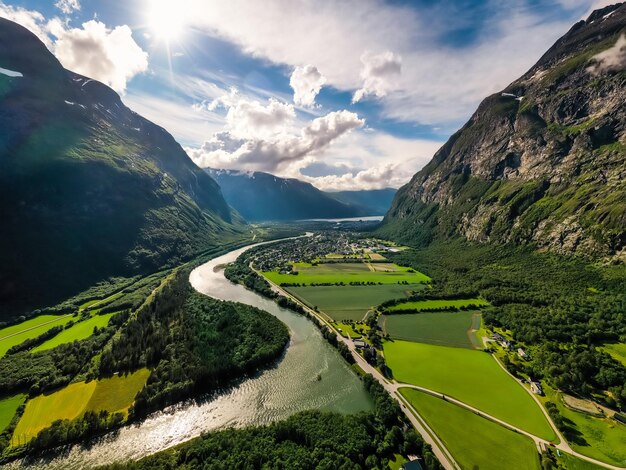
(564,307)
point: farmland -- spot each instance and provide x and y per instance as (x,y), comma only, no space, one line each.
(8,408)
(17,334)
(350,302)
(437,304)
(346,273)
(474,442)
(77,332)
(352,330)
(114,394)
(470,376)
(441,328)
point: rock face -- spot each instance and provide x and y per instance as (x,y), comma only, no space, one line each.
(88,188)
(543,162)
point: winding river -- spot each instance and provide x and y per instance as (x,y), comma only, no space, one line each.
(287,388)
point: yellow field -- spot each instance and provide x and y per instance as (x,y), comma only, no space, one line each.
(118,392)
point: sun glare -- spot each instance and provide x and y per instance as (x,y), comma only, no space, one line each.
(166,19)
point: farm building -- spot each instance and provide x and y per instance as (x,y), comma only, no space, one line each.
(521,353)
(536,388)
(359,343)
(412,465)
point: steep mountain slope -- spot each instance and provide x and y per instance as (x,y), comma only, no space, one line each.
(88,188)
(377,201)
(262,196)
(543,162)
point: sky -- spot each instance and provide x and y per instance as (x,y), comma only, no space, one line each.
(344,94)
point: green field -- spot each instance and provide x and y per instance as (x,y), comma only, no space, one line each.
(350,302)
(600,438)
(442,328)
(474,442)
(350,330)
(345,272)
(471,376)
(77,332)
(425,305)
(8,407)
(114,394)
(118,392)
(574,463)
(617,351)
(17,334)
(42,411)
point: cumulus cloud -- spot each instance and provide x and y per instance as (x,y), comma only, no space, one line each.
(110,56)
(68,6)
(273,152)
(306,82)
(380,74)
(317,169)
(611,60)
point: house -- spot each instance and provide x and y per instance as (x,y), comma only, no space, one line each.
(359,344)
(412,465)
(521,353)
(535,387)
(505,344)
(619,417)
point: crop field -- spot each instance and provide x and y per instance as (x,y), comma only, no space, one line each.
(617,351)
(8,407)
(474,442)
(333,273)
(17,334)
(471,376)
(77,332)
(350,302)
(42,411)
(114,394)
(118,392)
(425,305)
(441,328)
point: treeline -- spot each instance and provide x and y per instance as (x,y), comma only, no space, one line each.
(339,283)
(563,307)
(307,440)
(419,296)
(192,343)
(449,308)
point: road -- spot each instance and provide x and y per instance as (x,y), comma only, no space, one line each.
(429,436)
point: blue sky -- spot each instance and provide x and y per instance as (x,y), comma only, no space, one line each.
(345,94)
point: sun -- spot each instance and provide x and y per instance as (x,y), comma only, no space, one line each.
(166,19)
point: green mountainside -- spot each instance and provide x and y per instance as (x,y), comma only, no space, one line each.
(541,163)
(88,188)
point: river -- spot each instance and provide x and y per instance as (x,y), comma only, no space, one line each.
(276,393)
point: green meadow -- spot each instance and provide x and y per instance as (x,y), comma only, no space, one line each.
(17,334)
(440,328)
(354,330)
(425,305)
(76,332)
(617,351)
(113,394)
(471,376)
(8,408)
(350,302)
(333,273)
(474,442)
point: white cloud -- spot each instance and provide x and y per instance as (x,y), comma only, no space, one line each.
(380,74)
(68,6)
(110,56)
(610,60)
(306,82)
(276,152)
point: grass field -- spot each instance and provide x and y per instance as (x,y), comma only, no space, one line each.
(442,328)
(346,273)
(471,376)
(8,407)
(118,392)
(424,305)
(601,438)
(348,330)
(617,351)
(574,463)
(114,394)
(17,334)
(350,302)
(474,442)
(77,332)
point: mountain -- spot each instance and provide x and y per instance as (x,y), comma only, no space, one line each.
(88,188)
(543,162)
(259,196)
(377,201)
